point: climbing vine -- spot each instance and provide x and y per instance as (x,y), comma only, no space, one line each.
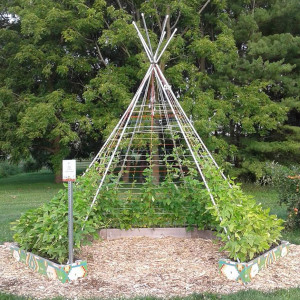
(179,200)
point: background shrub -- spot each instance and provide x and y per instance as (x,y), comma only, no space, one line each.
(286,180)
(31,165)
(7,169)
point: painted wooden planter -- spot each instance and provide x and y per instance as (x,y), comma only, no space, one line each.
(64,273)
(244,272)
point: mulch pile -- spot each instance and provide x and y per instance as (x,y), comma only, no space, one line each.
(143,266)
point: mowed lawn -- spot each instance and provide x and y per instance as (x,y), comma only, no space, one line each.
(291,294)
(21,192)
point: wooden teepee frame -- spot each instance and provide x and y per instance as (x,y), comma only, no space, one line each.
(155,102)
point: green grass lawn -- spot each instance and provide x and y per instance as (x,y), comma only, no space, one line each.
(21,192)
(268,197)
(291,294)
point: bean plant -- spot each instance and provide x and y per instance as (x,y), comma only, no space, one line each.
(171,203)
(44,230)
(251,229)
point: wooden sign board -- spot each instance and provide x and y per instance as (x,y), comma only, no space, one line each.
(69,170)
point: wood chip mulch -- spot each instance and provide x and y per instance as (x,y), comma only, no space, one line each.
(143,266)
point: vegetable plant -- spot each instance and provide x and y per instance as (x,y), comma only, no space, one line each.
(178,200)
(251,229)
(44,230)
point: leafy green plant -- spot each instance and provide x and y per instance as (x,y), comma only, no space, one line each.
(7,169)
(31,165)
(251,229)
(286,181)
(44,230)
(176,201)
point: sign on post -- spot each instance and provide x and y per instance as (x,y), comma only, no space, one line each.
(69,170)
(69,175)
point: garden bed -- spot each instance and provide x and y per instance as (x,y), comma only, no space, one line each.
(245,272)
(160,267)
(52,270)
(179,232)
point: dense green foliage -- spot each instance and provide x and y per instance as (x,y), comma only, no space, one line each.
(8,169)
(69,69)
(286,182)
(44,230)
(250,227)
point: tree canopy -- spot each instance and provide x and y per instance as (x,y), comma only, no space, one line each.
(69,69)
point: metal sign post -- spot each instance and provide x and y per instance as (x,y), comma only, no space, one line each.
(69,175)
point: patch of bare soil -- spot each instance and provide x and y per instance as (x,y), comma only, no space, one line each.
(143,266)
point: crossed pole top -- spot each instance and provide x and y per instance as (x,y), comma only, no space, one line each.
(154,57)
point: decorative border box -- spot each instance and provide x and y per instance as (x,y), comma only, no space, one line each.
(64,273)
(244,272)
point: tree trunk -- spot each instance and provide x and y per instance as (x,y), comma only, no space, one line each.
(58,176)
(202,64)
(202,59)
(143,165)
(155,167)
(57,161)
(127,170)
